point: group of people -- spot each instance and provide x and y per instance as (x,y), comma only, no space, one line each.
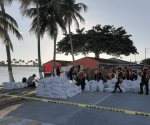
(80,75)
(130,75)
(121,73)
(31,81)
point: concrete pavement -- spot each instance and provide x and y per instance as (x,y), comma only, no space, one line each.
(68,115)
(13,120)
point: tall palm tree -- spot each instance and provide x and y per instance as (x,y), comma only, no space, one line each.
(50,19)
(25,4)
(7,23)
(72,12)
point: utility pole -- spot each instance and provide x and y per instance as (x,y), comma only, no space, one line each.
(145,53)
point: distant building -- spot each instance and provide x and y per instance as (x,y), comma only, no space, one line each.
(58,63)
(48,66)
(93,63)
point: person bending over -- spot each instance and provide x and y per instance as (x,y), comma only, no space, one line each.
(31,81)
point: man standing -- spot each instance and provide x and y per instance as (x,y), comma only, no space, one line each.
(119,81)
(144,81)
(81,79)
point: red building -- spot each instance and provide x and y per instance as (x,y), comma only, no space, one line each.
(48,66)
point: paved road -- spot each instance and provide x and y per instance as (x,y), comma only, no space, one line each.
(57,114)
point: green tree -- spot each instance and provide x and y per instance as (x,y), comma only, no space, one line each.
(97,38)
(72,12)
(78,40)
(50,18)
(106,39)
(120,43)
(8,24)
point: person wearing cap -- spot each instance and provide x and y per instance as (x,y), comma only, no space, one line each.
(119,81)
(31,81)
(144,81)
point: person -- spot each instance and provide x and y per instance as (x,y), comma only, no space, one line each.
(129,74)
(119,81)
(71,72)
(134,76)
(24,80)
(144,81)
(81,79)
(98,75)
(31,81)
(58,71)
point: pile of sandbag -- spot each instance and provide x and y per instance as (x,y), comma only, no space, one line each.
(130,86)
(14,85)
(110,85)
(126,85)
(93,86)
(57,87)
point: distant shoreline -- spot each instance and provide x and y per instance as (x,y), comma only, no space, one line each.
(19,66)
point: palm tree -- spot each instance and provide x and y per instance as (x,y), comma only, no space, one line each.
(8,24)
(50,19)
(80,31)
(20,62)
(23,62)
(2,62)
(72,13)
(25,4)
(13,61)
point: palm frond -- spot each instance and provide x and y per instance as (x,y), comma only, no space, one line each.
(79,17)
(8,18)
(5,38)
(76,21)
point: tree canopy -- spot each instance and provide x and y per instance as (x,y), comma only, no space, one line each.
(100,39)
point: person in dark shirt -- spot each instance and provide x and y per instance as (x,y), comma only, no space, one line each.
(120,79)
(71,72)
(31,81)
(144,81)
(58,71)
(81,79)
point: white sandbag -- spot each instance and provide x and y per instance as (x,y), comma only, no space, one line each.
(93,85)
(130,86)
(100,86)
(124,86)
(13,85)
(114,80)
(108,89)
(57,87)
(72,92)
(139,78)
(87,86)
(110,84)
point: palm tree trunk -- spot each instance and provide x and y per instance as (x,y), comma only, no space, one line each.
(38,39)
(54,55)
(11,78)
(70,35)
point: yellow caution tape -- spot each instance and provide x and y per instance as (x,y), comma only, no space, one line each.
(81,105)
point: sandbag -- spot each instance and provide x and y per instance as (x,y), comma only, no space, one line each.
(100,86)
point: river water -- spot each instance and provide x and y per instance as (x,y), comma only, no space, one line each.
(18,72)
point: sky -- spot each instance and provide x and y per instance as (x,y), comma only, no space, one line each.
(133,15)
